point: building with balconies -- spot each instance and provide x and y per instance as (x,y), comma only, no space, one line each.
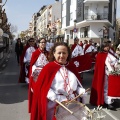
(88,19)
(46,23)
(5,34)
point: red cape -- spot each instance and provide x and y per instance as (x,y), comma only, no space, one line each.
(22,68)
(86,47)
(34,57)
(73,47)
(22,65)
(39,104)
(97,90)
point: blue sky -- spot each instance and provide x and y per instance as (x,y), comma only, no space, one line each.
(19,12)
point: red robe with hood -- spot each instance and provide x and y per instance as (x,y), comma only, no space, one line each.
(42,86)
(97,90)
(22,69)
(34,58)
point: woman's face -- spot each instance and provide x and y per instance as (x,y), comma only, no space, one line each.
(106,48)
(42,44)
(61,54)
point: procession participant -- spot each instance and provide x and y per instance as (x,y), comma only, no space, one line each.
(81,44)
(111,50)
(91,50)
(89,47)
(51,43)
(84,44)
(61,83)
(22,64)
(118,53)
(28,54)
(25,60)
(38,60)
(76,49)
(105,63)
(48,45)
(76,40)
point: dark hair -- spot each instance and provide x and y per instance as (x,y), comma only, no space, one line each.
(108,41)
(75,39)
(31,39)
(18,39)
(51,56)
(105,44)
(41,39)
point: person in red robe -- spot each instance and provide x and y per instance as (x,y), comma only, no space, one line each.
(99,89)
(22,65)
(76,41)
(81,44)
(22,76)
(58,80)
(38,60)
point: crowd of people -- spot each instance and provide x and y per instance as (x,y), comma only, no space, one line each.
(53,72)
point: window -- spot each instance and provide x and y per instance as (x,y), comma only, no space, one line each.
(105,12)
(71,16)
(63,6)
(71,34)
(63,20)
(106,9)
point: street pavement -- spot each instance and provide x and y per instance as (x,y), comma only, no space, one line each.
(14,95)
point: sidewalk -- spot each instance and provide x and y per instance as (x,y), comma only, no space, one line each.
(13,95)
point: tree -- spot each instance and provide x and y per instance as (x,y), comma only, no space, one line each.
(22,35)
(13,29)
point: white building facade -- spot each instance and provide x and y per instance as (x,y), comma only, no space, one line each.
(88,19)
(46,22)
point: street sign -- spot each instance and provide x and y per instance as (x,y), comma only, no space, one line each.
(75,30)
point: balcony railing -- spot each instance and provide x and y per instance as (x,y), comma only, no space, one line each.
(98,16)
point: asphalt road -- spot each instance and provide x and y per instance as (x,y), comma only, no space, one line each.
(14,95)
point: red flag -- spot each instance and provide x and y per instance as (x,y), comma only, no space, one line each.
(82,63)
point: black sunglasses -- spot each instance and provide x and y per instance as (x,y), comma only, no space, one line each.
(31,41)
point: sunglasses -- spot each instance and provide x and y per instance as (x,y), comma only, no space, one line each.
(32,41)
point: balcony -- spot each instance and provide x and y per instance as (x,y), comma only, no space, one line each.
(98,16)
(96,1)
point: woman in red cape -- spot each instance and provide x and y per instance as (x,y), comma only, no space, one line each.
(46,89)
(38,60)
(105,63)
